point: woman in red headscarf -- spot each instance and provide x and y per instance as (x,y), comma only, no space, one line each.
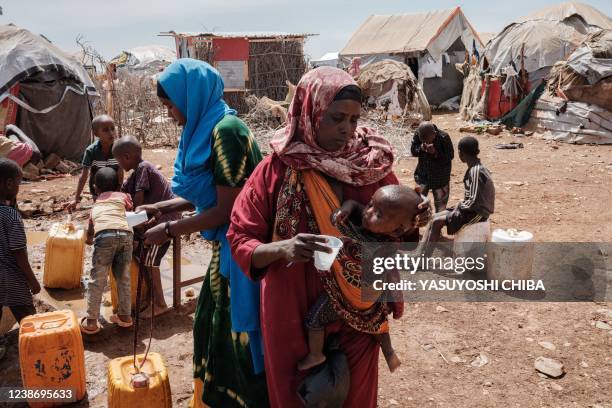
(321,159)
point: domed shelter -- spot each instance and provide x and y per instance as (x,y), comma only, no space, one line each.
(45,92)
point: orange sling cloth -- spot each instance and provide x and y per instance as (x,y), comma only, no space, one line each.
(324,202)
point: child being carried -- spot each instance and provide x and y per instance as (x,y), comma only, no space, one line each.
(390,216)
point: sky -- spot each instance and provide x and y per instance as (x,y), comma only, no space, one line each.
(111,26)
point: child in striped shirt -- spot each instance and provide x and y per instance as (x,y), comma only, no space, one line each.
(17,281)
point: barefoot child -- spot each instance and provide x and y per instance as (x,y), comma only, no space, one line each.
(98,155)
(434,149)
(146,185)
(389,216)
(478,202)
(112,239)
(17,281)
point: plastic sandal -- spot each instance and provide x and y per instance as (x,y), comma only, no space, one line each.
(115,319)
(85,330)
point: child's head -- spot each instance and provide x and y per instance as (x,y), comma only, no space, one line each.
(103,127)
(427,132)
(468,149)
(391,210)
(106,180)
(10,178)
(128,152)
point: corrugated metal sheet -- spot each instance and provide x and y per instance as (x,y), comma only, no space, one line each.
(238,34)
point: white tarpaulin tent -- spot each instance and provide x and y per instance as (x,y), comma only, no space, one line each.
(148,59)
(430,43)
(329,59)
(548,35)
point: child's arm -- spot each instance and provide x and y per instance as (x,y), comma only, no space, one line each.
(21,257)
(138,199)
(120,175)
(90,233)
(348,208)
(415,148)
(80,186)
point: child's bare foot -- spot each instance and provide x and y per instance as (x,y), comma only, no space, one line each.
(90,326)
(311,360)
(393,362)
(157,311)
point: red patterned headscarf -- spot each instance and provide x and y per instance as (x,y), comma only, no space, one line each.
(367,156)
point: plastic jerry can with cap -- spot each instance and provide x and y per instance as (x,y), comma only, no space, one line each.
(51,355)
(64,256)
(148,388)
(510,255)
(144,291)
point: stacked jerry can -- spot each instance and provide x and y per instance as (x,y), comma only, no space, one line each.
(64,256)
(134,266)
(148,388)
(51,355)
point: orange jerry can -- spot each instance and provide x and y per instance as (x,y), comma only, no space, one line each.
(134,286)
(127,389)
(51,355)
(64,256)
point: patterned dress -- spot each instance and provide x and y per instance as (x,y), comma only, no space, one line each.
(222,358)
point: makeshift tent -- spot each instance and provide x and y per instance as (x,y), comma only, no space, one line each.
(392,84)
(578,105)
(521,56)
(548,35)
(148,60)
(45,92)
(329,59)
(429,43)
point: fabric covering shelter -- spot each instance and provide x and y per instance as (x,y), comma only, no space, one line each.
(50,90)
(430,43)
(149,59)
(393,84)
(578,105)
(549,35)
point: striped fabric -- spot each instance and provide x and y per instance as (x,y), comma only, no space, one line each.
(94,159)
(479,191)
(14,290)
(235,152)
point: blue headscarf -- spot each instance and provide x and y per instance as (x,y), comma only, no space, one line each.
(196,89)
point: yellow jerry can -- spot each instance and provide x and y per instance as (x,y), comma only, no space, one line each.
(144,292)
(196,398)
(64,256)
(150,388)
(51,356)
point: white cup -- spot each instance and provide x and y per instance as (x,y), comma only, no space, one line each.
(134,219)
(322,260)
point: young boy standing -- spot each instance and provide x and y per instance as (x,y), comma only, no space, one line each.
(98,155)
(112,239)
(434,149)
(17,281)
(479,199)
(146,185)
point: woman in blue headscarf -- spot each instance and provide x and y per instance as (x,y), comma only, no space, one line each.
(216,155)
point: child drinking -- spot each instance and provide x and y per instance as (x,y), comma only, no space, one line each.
(390,215)
(434,149)
(146,185)
(112,239)
(17,281)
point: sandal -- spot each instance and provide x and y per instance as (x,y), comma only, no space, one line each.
(87,330)
(117,320)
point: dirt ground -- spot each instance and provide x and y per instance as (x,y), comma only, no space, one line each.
(559,192)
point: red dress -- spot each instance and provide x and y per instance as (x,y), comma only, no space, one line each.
(287,293)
